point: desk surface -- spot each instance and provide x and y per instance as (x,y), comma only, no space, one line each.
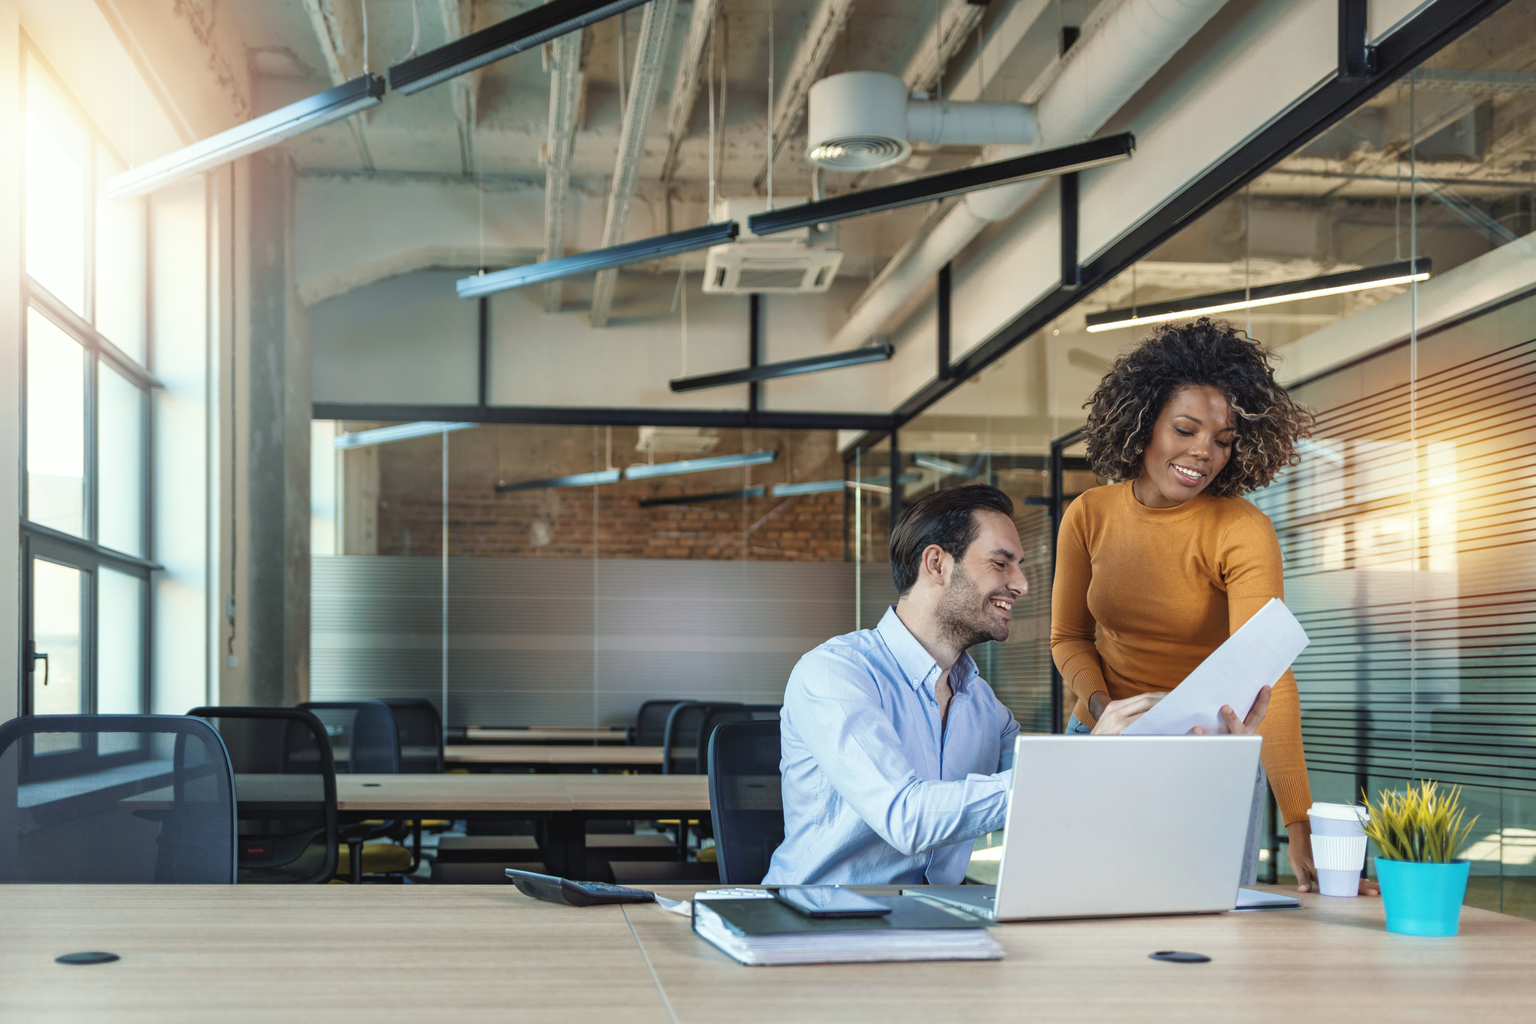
(426,794)
(545,734)
(487,953)
(535,753)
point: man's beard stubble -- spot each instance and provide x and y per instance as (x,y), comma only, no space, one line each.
(960,614)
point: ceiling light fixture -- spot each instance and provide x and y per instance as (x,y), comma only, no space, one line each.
(602,476)
(1264,295)
(503,39)
(769,371)
(598,259)
(646,471)
(399,432)
(809,487)
(258,133)
(691,499)
(1044,164)
(946,467)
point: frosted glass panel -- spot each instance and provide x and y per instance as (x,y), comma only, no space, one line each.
(55,427)
(56,619)
(120,252)
(119,652)
(119,462)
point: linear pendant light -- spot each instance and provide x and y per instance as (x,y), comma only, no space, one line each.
(598,259)
(769,371)
(646,472)
(1264,295)
(602,476)
(532,28)
(398,432)
(945,466)
(1046,163)
(692,499)
(827,486)
(258,133)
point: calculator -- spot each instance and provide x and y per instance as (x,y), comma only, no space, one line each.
(554,889)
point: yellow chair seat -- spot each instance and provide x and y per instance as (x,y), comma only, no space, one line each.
(706,855)
(378,859)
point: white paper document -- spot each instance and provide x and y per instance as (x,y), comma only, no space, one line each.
(1256,656)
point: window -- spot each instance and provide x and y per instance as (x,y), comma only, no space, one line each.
(86,413)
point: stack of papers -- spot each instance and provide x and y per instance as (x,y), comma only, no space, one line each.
(764,933)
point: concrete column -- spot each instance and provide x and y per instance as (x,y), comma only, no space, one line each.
(10,357)
(271,499)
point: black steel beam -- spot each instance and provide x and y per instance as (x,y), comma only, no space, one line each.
(945,284)
(757,491)
(1066,159)
(789,368)
(574,416)
(1071,270)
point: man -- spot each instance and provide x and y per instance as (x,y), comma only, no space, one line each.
(896,754)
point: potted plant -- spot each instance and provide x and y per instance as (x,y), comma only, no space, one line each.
(1418,834)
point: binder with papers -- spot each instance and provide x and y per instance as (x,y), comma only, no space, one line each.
(762,933)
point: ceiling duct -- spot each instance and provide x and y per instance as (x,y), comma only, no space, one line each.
(792,262)
(864,120)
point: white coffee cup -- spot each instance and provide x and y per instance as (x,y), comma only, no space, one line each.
(1338,847)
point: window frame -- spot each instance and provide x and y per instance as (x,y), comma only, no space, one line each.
(85,553)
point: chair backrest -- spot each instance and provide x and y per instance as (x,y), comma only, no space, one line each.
(115,799)
(651,722)
(746,799)
(364,737)
(716,716)
(285,792)
(421,735)
(680,740)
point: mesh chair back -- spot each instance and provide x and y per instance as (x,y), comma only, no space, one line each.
(421,735)
(651,723)
(285,792)
(115,799)
(364,737)
(680,740)
(746,799)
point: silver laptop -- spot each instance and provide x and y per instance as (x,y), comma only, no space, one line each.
(1120,826)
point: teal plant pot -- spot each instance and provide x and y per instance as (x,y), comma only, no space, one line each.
(1422,899)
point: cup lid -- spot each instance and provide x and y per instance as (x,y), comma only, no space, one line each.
(1339,812)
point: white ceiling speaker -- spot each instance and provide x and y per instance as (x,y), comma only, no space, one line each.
(864,120)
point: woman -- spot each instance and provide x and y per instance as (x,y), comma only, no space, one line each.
(1154,572)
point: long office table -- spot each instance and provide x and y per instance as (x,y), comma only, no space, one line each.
(545,734)
(561,804)
(487,953)
(552,757)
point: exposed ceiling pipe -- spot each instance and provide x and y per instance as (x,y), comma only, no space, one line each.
(685,87)
(650,53)
(458,21)
(810,60)
(341,42)
(1102,74)
(564,92)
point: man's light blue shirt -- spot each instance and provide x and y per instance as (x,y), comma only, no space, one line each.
(876,789)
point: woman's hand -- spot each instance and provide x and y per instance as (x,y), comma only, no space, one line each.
(1118,715)
(1247,726)
(1299,850)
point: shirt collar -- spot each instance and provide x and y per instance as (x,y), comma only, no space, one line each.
(917,665)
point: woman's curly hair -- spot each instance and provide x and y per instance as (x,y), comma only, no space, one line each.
(1202,352)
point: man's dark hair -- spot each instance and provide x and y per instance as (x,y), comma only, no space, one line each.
(945,518)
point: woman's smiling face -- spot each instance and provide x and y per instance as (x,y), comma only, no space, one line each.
(1191,442)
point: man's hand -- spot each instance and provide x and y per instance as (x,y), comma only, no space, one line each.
(1299,850)
(1118,715)
(1247,726)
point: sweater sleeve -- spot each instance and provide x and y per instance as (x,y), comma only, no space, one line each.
(1253,570)
(1073,629)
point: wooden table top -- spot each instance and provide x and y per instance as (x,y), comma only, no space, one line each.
(546,734)
(514,793)
(535,753)
(487,953)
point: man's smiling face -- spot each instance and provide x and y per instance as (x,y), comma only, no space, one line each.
(977,605)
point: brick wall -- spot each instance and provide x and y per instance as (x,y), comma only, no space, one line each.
(559,524)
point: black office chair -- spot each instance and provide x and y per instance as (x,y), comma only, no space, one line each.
(421,735)
(651,723)
(365,740)
(285,792)
(115,799)
(723,714)
(680,739)
(746,799)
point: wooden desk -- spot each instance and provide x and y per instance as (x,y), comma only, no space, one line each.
(546,734)
(561,804)
(487,953)
(557,756)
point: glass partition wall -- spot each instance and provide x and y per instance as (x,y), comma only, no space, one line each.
(1404,526)
(586,569)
